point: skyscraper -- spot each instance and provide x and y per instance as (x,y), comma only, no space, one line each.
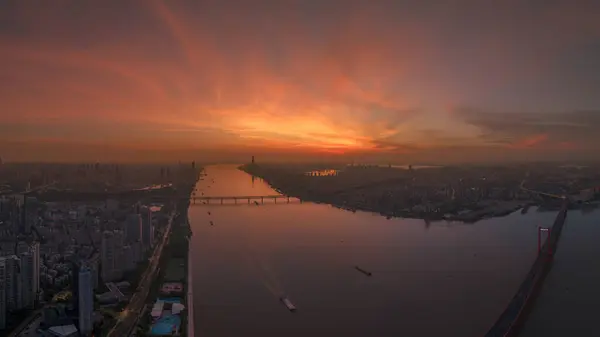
(147,227)
(128,261)
(134,227)
(27,283)
(12,282)
(34,249)
(75,284)
(3,304)
(108,254)
(111,255)
(93,264)
(86,301)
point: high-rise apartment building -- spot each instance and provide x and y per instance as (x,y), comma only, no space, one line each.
(12,282)
(94,265)
(137,251)
(134,227)
(3,304)
(86,301)
(107,253)
(112,255)
(34,249)
(147,227)
(27,280)
(29,276)
(128,258)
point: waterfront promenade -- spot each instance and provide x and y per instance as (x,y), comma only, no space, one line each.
(513,317)
(190,295)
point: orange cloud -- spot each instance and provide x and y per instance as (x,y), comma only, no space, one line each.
(568,146)
(530,142)
(356,79)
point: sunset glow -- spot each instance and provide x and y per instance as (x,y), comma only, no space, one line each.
(395,80)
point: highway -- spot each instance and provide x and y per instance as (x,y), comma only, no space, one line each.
(36,189)
(540,192)
(18,331)
(129,316)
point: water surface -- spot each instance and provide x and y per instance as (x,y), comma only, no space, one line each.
(438,279)
(568,302)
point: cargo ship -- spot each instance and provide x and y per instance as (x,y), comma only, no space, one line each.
(286,301)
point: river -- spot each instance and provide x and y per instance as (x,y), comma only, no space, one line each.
(437,279)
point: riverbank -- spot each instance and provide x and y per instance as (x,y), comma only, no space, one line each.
(189,295)
(296,188)
(179,251)
(173,263)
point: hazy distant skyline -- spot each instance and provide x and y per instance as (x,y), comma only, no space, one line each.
(397,81)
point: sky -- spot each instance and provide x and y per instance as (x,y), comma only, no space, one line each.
(385,81)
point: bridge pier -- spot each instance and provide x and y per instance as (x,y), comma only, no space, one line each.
(235,200)
(248,200)
(262,200)
(221,201)
(288,199)
(547,230)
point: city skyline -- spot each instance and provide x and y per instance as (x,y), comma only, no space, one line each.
(399,81)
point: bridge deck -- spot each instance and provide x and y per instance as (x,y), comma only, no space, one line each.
(233,197)
(515,313)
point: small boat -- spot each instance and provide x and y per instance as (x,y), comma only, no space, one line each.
(209,213)
(368,273)
(288,304)
(211,223)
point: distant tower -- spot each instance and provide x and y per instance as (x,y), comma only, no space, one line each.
(252,159)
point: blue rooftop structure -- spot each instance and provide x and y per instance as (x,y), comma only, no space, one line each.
(170,299)
(166,325)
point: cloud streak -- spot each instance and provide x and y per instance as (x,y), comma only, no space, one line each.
(576,130)
(367,77)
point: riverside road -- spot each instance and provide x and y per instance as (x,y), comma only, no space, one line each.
(129,316)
